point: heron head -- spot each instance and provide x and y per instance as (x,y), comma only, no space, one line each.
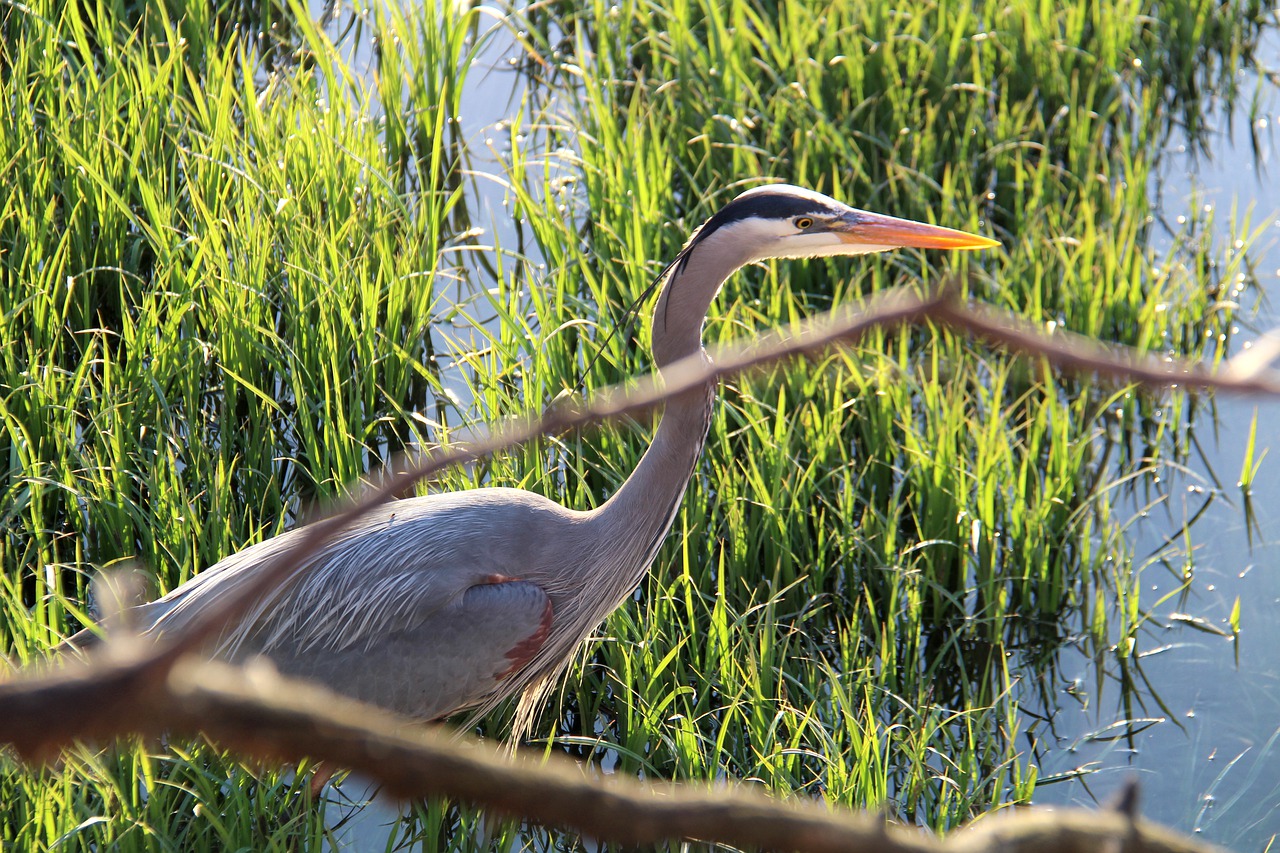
(783,221)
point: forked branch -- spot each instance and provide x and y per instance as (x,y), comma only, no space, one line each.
(129,686)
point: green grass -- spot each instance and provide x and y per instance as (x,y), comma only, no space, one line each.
(236,276)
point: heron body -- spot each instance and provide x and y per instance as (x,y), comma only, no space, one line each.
(433,605)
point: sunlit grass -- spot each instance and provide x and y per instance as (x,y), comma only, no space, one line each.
(132,798)
(236,275)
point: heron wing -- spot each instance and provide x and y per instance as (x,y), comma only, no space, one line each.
(383,575)
(453,658)
(442,579)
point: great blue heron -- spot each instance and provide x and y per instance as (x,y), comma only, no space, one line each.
(434,605)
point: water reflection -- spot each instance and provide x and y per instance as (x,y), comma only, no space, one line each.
(1193,714)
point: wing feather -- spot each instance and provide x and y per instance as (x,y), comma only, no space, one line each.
(381,576)
(453,658)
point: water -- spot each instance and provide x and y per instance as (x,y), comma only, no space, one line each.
(1210,762)
(486,242)
(358,820)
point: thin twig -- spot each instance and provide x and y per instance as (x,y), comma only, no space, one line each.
(1243,374)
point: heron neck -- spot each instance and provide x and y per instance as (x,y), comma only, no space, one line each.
(646,502)
(693,283)
(645,505)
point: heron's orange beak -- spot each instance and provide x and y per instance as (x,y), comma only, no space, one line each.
(875,229)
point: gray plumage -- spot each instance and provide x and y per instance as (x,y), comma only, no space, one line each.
(434,605)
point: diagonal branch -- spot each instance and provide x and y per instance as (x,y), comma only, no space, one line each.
(129,686)
(1246,373)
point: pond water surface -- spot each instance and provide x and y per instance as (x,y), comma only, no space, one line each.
(1204,740)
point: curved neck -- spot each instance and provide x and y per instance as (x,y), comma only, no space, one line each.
(694,281)
(640,513)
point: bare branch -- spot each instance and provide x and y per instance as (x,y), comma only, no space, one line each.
(1246,373)
(150,688)
(254,711)
(418,761)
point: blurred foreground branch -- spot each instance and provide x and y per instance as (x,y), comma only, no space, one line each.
(254,711)
(150,688)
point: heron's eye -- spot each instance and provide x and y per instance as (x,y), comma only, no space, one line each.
(803,223)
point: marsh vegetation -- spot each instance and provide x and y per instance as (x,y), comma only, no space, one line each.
(247,258)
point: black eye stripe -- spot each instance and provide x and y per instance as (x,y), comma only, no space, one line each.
(764,205)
